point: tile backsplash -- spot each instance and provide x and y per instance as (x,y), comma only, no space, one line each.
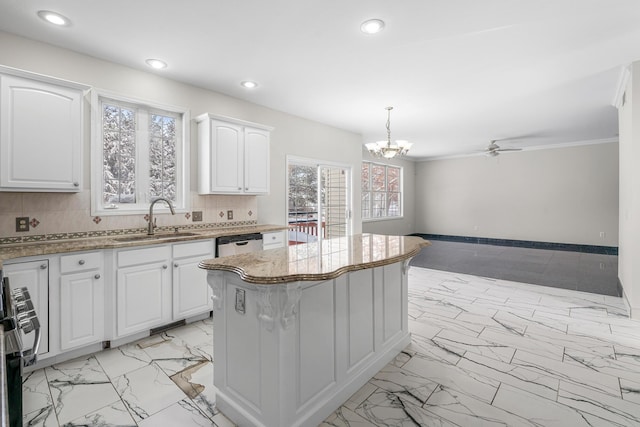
(55,213)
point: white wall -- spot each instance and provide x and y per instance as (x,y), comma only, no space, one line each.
(629,248)
(292,135)
(563,195)
(406,224)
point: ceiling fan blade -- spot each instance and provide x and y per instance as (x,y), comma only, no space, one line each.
(509,149)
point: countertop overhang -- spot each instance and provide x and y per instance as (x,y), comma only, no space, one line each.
(318,261)
(48,247)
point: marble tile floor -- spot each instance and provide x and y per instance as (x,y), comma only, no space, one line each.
(579,271)
(484,352)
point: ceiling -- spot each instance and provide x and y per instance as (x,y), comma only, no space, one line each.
(458,73)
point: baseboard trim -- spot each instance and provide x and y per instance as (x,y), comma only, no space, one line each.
(570,247)
(621,293)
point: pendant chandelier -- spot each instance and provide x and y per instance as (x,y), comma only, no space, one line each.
(387,149)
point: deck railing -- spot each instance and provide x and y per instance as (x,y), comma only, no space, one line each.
(305,229)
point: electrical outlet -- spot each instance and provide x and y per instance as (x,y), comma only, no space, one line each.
(602,234)
(240,301)
(196,216)
(229,214)
(22,223)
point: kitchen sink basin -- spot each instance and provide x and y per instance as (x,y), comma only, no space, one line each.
(160,236)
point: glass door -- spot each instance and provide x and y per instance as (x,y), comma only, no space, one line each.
(334,201)
(319,202)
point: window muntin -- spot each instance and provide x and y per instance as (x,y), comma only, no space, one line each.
(381,191)
(140,155)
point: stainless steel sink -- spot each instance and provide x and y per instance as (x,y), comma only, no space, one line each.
(159,236)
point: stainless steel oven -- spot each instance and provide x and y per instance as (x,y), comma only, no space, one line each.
(17,316)
(238,244)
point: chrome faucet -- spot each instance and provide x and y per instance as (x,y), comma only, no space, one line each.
(152,220)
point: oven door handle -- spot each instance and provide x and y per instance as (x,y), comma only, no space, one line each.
(30,357)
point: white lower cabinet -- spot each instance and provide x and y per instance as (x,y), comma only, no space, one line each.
(273,240)
(149,293)
(191,293)
(143,289)
(34,275)
(82,300)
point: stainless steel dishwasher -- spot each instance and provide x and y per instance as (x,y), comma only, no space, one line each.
(238,244)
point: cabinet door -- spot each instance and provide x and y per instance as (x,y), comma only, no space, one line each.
(256,161)
(35,276)
(81,309)
(226,158)
(40,136)
(191,293)
(143,297)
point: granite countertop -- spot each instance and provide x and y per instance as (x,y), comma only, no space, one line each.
(19,250)
(320,260)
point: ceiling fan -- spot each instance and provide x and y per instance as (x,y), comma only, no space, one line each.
(494,149)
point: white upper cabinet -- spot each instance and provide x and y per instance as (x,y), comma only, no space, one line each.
(41,130)
(233,156)
(256,161)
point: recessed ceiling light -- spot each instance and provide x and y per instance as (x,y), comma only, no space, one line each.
(156,63)
(54,18)
(372,26)
(248,84)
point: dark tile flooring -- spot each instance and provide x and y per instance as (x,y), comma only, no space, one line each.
(579,271)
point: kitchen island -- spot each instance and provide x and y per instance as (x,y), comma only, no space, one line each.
(298,330)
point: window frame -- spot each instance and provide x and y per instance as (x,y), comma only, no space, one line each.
(371,191)
(182,203)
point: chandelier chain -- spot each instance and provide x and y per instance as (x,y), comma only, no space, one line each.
(389,126)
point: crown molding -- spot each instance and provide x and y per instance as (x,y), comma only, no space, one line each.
(621,87)
(529,148)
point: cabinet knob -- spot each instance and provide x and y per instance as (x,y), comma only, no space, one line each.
(246,188)
(165,266)
(43,266)
(239,188)
(76,184)
(81,262)
(175,265)
(97,276)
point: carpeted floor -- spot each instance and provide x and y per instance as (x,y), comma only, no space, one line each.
(579,271)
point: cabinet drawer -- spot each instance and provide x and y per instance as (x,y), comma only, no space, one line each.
(80,262)
(143,256)
(202,247)
(273,240)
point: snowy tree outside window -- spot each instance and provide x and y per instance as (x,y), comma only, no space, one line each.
(381,191)
(142,153)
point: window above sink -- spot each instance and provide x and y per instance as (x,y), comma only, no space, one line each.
(139,152)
